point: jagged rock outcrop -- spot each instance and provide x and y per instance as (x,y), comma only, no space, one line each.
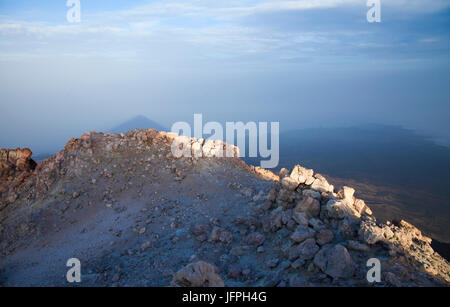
(17,160)
(150,213)
(15,166)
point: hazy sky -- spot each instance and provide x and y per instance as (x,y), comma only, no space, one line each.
(305,63)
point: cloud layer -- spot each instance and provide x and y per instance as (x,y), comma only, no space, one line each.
(304,63)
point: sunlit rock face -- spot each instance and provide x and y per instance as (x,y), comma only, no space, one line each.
(15,160)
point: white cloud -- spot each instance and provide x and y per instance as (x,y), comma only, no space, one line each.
(221,9)
(131,32)
(429,40)
(416,6)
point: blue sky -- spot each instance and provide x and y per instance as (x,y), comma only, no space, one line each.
(304,63)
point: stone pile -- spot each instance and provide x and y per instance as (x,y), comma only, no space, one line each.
(327,236)
(331,230)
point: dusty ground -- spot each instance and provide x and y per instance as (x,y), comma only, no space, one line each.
(134,216)
(132,225)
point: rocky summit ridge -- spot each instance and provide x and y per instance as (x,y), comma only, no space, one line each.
(135,215)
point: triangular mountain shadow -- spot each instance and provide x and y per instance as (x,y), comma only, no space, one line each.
(138,122)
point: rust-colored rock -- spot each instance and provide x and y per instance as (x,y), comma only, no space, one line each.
(15,160)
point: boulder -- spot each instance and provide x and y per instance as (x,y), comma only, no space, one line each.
(302,234)
(339,209)
(324,236)
(361,207)
(304,251)
(347,193)
(345,228)
(309,205)
(309,181)
(301,218)
(308,249)
(286,216)
(335,261)
(320,184)
(370,233)
(312,193)
(301,174)
(289,184)
(200,274)
(286,196)
(316,224)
